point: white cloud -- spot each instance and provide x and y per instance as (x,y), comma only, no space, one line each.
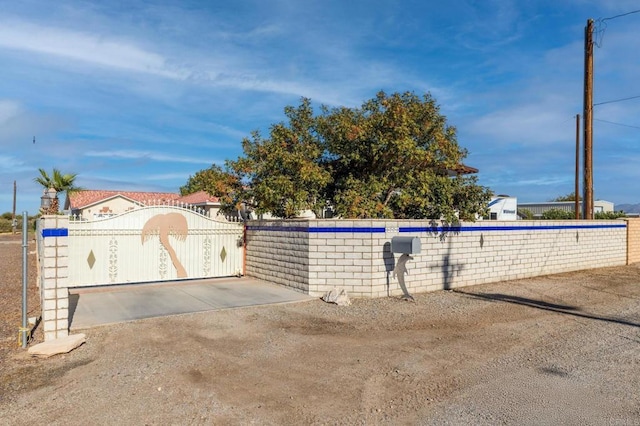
(148,155)
(490,25)
(537,124)
(544,180)
(8,110)
(8,162)
(168,176)
(234,71)
(85,47)
(260,33)
(229,131)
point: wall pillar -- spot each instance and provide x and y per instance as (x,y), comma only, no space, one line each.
(633,241)
(54,272)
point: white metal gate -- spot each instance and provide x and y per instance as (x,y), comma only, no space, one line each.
(154,243)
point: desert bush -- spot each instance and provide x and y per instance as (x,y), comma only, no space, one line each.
(610,215)
(557,214)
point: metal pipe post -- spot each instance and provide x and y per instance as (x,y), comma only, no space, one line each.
(25,233)
(576,192)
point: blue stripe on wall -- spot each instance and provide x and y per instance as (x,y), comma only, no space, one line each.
(55,232)
(504,228)
(368,230)
(438,229)
(344,229)
(278,228)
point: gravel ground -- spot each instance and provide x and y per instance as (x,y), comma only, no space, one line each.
(561,349)
(11,291)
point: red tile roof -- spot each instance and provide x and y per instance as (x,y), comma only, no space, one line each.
(464,169)
(199,197)
(85,198)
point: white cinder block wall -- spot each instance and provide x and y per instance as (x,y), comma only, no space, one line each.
(281,254)
(317,256)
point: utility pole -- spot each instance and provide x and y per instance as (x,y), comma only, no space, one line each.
(576,192)
(587,199)
(14,222)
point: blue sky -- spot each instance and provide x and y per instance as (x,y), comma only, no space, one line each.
(140,95)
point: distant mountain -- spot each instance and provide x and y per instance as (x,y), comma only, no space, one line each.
(627,208)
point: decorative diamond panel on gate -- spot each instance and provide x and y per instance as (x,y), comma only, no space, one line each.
(91,260)
(152,243)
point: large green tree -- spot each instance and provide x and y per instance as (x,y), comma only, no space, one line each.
(392,157)
(284,172)
(61,182)
(217,182)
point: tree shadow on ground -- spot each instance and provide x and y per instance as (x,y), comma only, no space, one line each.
(546,306)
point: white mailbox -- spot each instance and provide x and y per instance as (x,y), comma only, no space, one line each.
(408,245)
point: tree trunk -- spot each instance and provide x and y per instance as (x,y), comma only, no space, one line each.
(54,207)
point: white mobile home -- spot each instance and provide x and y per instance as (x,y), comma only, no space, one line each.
(503,208)
(538,209)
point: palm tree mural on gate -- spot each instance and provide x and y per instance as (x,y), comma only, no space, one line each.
(163,225)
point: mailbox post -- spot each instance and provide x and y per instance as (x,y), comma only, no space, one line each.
(406,245)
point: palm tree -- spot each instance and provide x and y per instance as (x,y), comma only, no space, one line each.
(58,181)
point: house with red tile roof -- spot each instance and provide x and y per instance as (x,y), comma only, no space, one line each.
(93,204)
(209,204)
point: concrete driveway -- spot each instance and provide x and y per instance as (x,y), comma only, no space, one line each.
(89,307)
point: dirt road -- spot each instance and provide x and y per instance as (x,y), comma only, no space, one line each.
(562,349)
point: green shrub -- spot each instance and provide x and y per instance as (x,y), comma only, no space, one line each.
(6,222)
(525,214)
(610,215)
(557,214)
(5,225)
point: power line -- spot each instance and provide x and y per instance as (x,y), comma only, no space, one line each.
(602,26)
(617,124)
(619,16)
(617,100)
(600,32)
